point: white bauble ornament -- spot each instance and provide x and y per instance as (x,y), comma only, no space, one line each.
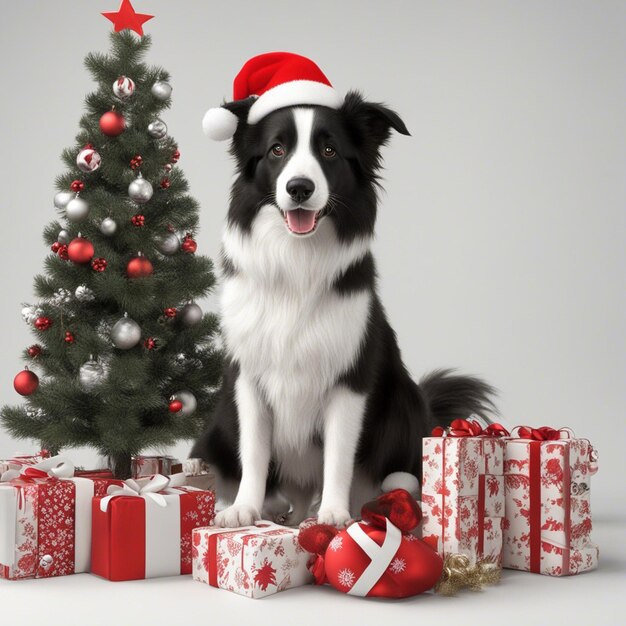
(64,237)
(189,402)
(157,129)
(108,226)
(77,209)
(161,90)
(91,374)
(62,198)
(88,160)
(30,313)
(168,244)
(125,333)
(140,190)
(84,294)
(191,314)
(123,88)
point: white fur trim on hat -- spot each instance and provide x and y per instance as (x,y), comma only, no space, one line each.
(401,480)
(219,124)
(293,93)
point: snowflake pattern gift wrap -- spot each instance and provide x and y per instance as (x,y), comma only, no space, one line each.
(254,561)
(45,520)
(547,529)
(463,491)
(143,528)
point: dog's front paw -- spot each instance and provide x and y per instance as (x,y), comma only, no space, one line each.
(333,516)
(193,467)
(237,515)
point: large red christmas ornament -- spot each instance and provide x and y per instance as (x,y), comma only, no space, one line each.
(34,351)
(139,267)
(80,250)
(138,220)
(126,18)
(189,245)
(112,123)
(170,312)
(175,406)
(99,264)
(43,323)
(77,186)
(376,557)
(26,382)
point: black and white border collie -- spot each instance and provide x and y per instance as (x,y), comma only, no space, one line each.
(316,403)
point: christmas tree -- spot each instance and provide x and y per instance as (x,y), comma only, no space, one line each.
(127,359)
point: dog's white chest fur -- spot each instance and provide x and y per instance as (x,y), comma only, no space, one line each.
(288,330)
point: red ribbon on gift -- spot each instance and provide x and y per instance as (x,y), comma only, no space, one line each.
(469,428)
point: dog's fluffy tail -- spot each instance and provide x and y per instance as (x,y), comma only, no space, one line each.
(450,396)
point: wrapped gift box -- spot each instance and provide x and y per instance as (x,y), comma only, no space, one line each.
(45,521)
(254,561)
(547,529)
(144,466)
(143,528)
(463,496)
(201,481)
(21,460)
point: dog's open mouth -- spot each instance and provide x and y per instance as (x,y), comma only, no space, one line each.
(301,221)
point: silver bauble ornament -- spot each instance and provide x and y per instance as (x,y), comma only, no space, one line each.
(189,402)
(191,314)
(91,374)
(161,90)
(64,237)
(123,87)
(140,190)
(125,333)
(62,198)
(108,226)
(88,160)
(84,294)
(77,209)
(157,129)
(168,244)
(30,313)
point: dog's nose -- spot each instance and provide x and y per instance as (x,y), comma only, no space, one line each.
(300,188)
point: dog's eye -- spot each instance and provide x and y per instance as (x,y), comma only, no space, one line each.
(329,152)
(278,150)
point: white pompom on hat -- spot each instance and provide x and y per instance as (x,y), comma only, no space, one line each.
(276,80)
(401,480)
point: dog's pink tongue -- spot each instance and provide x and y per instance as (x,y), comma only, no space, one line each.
(301,221)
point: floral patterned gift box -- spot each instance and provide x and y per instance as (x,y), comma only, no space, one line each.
(254,561)
(547,528)
(463,490)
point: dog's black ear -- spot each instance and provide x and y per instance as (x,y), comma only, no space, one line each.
(373,120)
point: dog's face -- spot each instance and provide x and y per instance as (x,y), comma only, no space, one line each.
(312,163)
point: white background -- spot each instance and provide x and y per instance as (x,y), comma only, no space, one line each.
(500,239)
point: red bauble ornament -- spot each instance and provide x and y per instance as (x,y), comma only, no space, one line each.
(136,162)
(34,351)
(99,264)
(55,247)
(26,382)
(112,124)
(150,343)
(138,220)
(189,245)
(69,338)
(43,323)
(139,267)
(176,156)
(170,312)
(77,185)
(165,183)
(80,250)
(175,406)
(63,252)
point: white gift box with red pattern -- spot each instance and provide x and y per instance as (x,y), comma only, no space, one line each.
(547,529)
(463,496)
(254,561)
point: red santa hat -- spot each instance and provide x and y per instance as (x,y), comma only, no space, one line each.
(276,80)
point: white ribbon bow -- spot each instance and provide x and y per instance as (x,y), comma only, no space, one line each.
(152,488)
(58,466)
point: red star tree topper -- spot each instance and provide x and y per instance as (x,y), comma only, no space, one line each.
(126,18)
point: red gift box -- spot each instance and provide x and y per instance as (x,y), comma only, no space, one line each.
(143,528)
(45,521)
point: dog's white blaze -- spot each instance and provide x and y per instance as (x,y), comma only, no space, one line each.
(303,163)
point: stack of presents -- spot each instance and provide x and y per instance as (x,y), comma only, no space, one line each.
(518,501)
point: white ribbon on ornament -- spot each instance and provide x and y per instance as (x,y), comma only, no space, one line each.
(381,556)
(10,504)
(162,525)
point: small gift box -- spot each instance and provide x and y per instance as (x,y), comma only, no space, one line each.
(547,529)
(45,520)
(143,466)
(21,460)
(254,561)
(142,529)
(463,490)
